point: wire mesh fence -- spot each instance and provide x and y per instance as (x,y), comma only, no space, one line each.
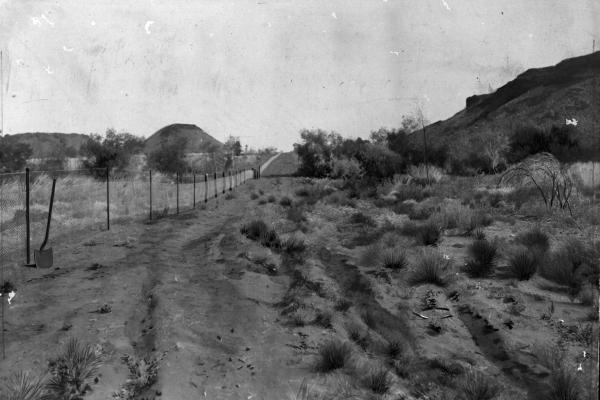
(93,199)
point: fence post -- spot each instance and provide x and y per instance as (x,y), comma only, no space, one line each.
(224,182)
(177,191)
(230,182)
(215,184)
(205,188)
(235,178)
(150,175)
(107,200)
(27,226)
(194,204)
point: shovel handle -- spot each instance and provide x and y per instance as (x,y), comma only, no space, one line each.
(49,215)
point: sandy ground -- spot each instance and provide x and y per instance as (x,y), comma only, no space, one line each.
(211,304)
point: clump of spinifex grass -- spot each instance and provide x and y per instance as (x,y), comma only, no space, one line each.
(333,354)
(483,255)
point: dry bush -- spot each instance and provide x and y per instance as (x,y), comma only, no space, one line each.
(333,354)
(431,267)
(483,255)
(143,373)
(429,234)
(285,201)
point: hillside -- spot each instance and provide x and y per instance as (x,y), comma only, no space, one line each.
(49,144)
(197,140)
(542,97)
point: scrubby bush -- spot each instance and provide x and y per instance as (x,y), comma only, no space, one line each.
(346,168)
(332,355)
(258,230)
(254,196)
(483,254)
(394,258)
(431,267)
(522,264)
(271,199)
(573,265)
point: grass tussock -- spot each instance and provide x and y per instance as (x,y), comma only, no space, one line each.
(293,245)
(428,234)
(333,354)
(394,258)
(431,267)
(522,264)
(482,261)
(271,199)
(358,335)
(259,231)
(477,386)
(377,379)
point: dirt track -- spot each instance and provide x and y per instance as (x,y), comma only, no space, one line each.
(176,287)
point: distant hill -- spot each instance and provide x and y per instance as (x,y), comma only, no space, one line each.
(197,140)
(49,144)
(540,97)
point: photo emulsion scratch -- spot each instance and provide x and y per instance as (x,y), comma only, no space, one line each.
(301,200)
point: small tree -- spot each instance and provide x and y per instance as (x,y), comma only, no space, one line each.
(315,152)
(551,178)
(13,156)
(112,152)
(169,157)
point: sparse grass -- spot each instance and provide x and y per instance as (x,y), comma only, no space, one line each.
(333,354)
(285,201)
(342,305)
(296,214)
(404,366)
(368,318)
(483,254)
(230,196)
(431,267)
(362,219)
(72,371)
(371,255)
(394,258)
(564,384)
(522,264)
(377,379)
(324,319)
(23,386)
(534,238)
(395,348)
(414,192)
(358,335)
(476,386)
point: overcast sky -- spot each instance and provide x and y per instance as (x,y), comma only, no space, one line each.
(265,69)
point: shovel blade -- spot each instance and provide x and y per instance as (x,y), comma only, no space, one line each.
(43,258)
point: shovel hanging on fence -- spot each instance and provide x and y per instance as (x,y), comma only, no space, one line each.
(43,257)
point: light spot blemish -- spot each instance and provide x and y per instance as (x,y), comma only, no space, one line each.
(147,26)
(445,3)
(93,23)
(67,49)
(36,21)
(47,20)
(333,15)
(48,70)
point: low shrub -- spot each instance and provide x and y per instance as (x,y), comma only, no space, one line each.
(262,202)
(522,264)
(394,258)
(271,199)
(229,196)
(296,214)
(573,265)
(258,230)
(285,201)
(411,192)
(420,213)
(324,319)
(483,255)
(254,196)
(431,267)
(332,355)
(342,305)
